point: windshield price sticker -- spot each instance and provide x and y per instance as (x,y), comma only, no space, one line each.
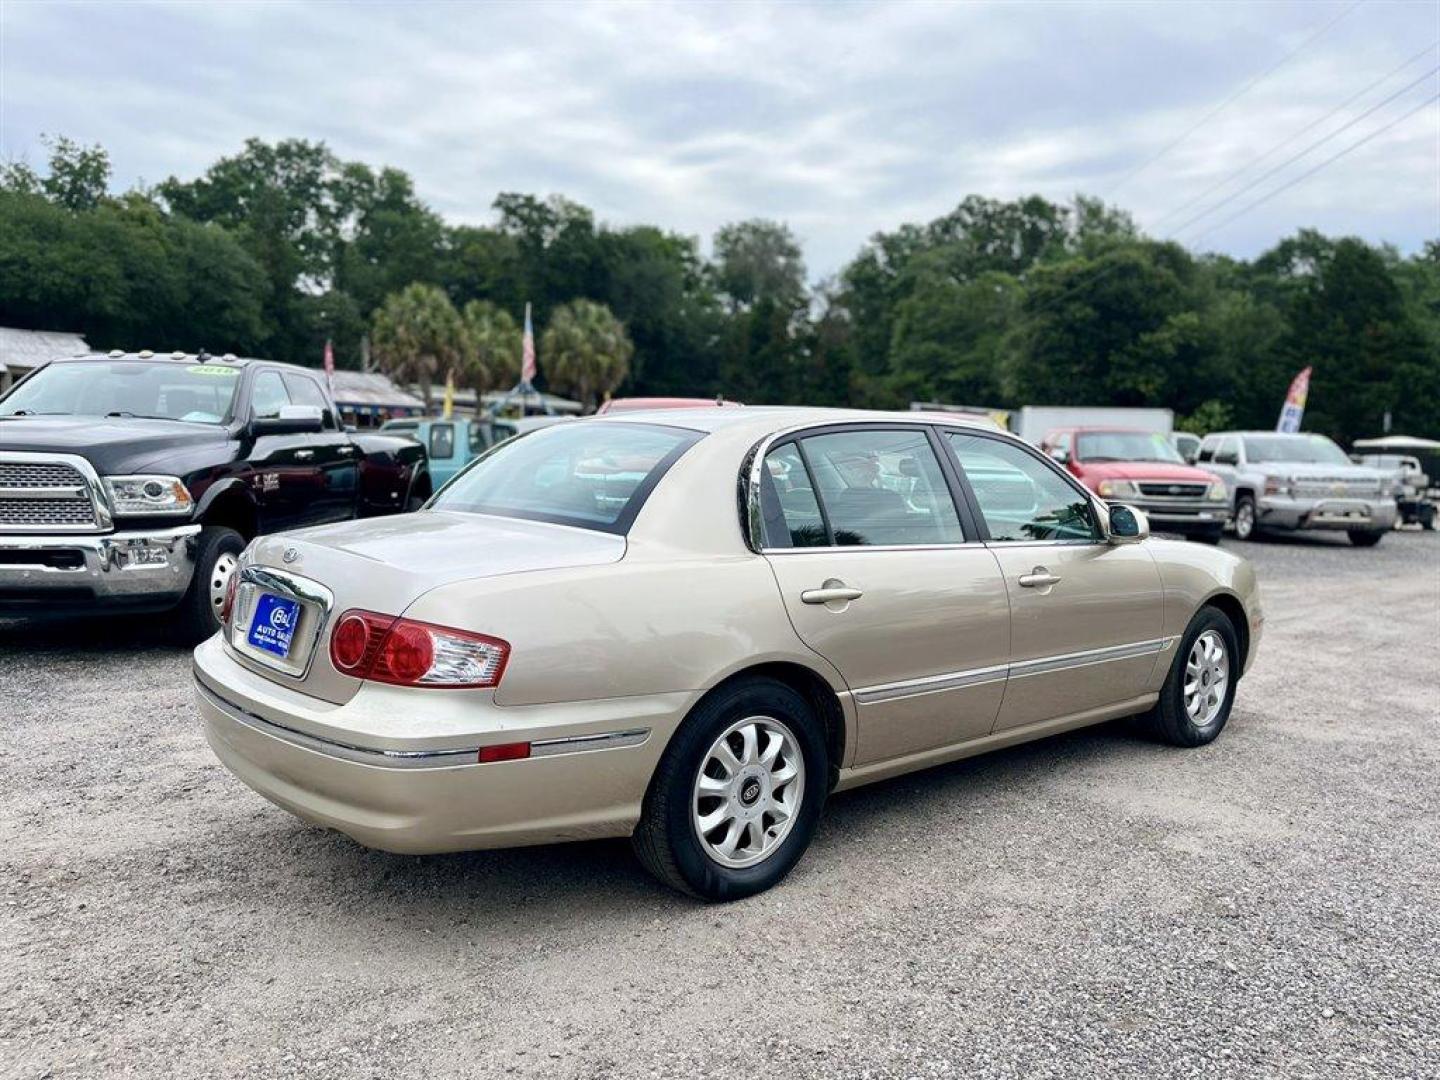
(211,369)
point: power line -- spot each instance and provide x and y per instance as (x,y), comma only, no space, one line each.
(1290,160)
(1296,157)
(1328,161)
(1107,271)
(1286,142)
(1229,100)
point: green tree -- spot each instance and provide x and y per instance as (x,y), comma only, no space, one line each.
(494,340)
(419,337)
(585,351)
(759,260)
(78,179)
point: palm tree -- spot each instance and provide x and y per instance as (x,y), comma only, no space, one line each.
(586,350)
(493,359)
(419,337)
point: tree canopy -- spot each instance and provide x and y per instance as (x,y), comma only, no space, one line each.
(282,245)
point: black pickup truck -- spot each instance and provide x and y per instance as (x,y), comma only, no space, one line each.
(133,481)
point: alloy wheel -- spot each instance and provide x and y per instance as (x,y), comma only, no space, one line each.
(1207,676)
(1244,521)
(748,790)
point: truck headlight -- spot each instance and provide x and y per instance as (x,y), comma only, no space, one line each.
(148,495)
(1117,489)
(1216,491)
(1278,485)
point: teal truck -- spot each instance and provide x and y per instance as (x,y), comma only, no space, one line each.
(452,444)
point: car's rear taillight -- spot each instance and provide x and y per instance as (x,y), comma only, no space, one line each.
(227,608)
(404,652)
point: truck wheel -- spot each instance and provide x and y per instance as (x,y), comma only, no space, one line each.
(217,553)
(1245,518)
(736,797)
(1365,537)
(1427,518)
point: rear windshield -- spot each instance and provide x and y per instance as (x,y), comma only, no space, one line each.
(156,389)
(593,475)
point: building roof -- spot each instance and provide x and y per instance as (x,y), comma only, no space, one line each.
(352,388)
(31,348)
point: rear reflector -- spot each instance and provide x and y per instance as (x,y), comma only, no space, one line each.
(514,751)
(404,652)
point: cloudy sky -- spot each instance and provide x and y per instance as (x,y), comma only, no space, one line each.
(839,118)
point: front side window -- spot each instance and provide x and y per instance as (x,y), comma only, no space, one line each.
(155,389)
(1020,497)
(881,488)
(304,390)
(592,475)
(268,396)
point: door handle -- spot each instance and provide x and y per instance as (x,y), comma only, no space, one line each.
(1039,578)
(304,455)
(831,592)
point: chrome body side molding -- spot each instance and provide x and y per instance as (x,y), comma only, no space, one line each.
(956,680)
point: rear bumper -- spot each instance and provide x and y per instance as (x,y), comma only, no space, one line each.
(590,766)
(1277,512)
(148,568)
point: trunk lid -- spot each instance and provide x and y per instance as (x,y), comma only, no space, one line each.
(385,565)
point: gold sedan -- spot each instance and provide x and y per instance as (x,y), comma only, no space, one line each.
(689,628)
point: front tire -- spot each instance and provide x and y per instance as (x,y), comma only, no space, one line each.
(1365,537)
(217,555)
(1199,691)
(1245,527)
(737,795)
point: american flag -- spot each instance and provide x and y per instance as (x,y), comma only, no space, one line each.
(527,351)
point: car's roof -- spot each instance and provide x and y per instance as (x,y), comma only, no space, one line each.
(760,420)
(145,355)
(1085,428)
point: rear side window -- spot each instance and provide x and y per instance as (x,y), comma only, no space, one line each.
(592,475)
(787,497)
(881,488)
(1020,497)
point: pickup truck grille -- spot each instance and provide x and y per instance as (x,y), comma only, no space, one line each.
(1163,490)
(38,495)
(1338,487)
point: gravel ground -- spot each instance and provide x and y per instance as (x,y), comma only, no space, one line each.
(1091,905)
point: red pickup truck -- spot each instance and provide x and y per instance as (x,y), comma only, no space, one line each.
(1142,468)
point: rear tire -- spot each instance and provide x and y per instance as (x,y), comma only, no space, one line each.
(1195,703)
(749,797)
(1365,537)
(217,551)
(1245,525)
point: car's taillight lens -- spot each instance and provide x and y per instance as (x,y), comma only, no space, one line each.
(404,652)
(228,607)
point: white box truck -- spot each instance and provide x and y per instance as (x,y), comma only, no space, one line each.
(1034,422)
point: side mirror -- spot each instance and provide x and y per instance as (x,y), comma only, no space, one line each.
(1127,524)
(293,420)
(1061,455)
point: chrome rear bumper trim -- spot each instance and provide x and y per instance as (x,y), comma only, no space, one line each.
(460,757)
